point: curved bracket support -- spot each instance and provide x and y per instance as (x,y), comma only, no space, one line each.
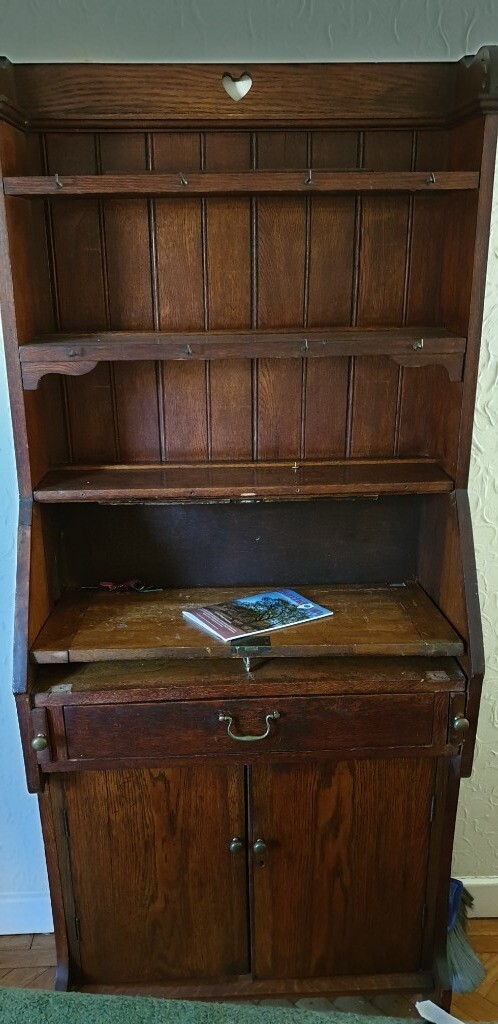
(453,364)
(33,372)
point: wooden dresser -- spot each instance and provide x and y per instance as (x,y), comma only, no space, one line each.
(242,342)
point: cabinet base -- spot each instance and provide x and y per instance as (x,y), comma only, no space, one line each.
(244,987)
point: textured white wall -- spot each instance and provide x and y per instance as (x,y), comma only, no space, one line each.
(237,31)
(245,30)
(24,903)
(476,847)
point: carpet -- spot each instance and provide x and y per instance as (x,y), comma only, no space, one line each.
(22,1006)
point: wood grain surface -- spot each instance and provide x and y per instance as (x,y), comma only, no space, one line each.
(242,346)
(156,837)
(238,183)
(420,93)
(163,680)
(243,480)
(335,906)
(91,625)
(178,728)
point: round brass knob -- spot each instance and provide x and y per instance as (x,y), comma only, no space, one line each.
(259,846)
(39,742)
(460,724)
(236,845)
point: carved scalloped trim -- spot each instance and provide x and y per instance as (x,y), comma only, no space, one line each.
(33,372)
(487,58)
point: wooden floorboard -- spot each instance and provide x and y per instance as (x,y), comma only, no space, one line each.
(28,961)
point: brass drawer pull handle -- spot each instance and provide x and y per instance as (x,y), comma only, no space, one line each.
(273,715)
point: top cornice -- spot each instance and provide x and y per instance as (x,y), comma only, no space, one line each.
(282,95)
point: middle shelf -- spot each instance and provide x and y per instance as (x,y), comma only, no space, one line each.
(242,481)
(92,625)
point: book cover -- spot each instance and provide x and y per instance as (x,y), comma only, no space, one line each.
(259,613)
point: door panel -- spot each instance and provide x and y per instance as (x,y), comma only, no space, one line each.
(341,887)
(156,890)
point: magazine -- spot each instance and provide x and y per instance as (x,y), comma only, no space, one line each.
(248,616)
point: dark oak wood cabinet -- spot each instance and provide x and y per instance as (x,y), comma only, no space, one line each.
(242,343)
(174,896)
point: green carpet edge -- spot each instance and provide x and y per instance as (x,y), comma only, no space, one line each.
(23,1006)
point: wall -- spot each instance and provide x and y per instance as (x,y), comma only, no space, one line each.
(24,903)
(476,845)
(238,31)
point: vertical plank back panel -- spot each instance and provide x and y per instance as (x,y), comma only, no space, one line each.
(79,278)
(417,394)
(374,407)
(179,241)
(331,282)
(384,260)
(127,240)
(77,237)
(423,300)
(44,408)
(228,255)
(91,416)
(384,227)
(281,268)
(326,408)
(181,284)
(332,235)
(129,283)
(425,390)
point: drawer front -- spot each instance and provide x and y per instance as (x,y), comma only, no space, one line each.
(242,727)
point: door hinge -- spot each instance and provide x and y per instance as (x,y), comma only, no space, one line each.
(65,823)
(424,915)
(432,807)
(77,927)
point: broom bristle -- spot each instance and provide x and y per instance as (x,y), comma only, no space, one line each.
(467,971)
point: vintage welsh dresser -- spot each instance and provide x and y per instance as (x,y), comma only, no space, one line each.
(242,342)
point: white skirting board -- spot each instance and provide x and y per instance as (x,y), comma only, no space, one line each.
(24,912)
(485,893)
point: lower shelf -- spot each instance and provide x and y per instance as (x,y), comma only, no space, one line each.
(94,625)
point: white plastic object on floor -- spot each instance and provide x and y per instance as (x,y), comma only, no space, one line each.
(429,1011)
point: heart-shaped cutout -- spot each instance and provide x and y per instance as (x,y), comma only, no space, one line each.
(237,88)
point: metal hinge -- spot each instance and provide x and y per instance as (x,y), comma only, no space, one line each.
(65,823)
(77,927)
(432,807)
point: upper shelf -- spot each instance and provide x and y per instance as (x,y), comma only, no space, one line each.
(92,625)
(225,183)
(76,354)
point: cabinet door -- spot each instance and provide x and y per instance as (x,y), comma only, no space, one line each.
(341,886)
(156,890)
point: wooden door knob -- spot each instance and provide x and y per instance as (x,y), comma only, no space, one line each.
(39,742)
(461,725)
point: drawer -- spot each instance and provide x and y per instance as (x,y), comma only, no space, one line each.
(225,727)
